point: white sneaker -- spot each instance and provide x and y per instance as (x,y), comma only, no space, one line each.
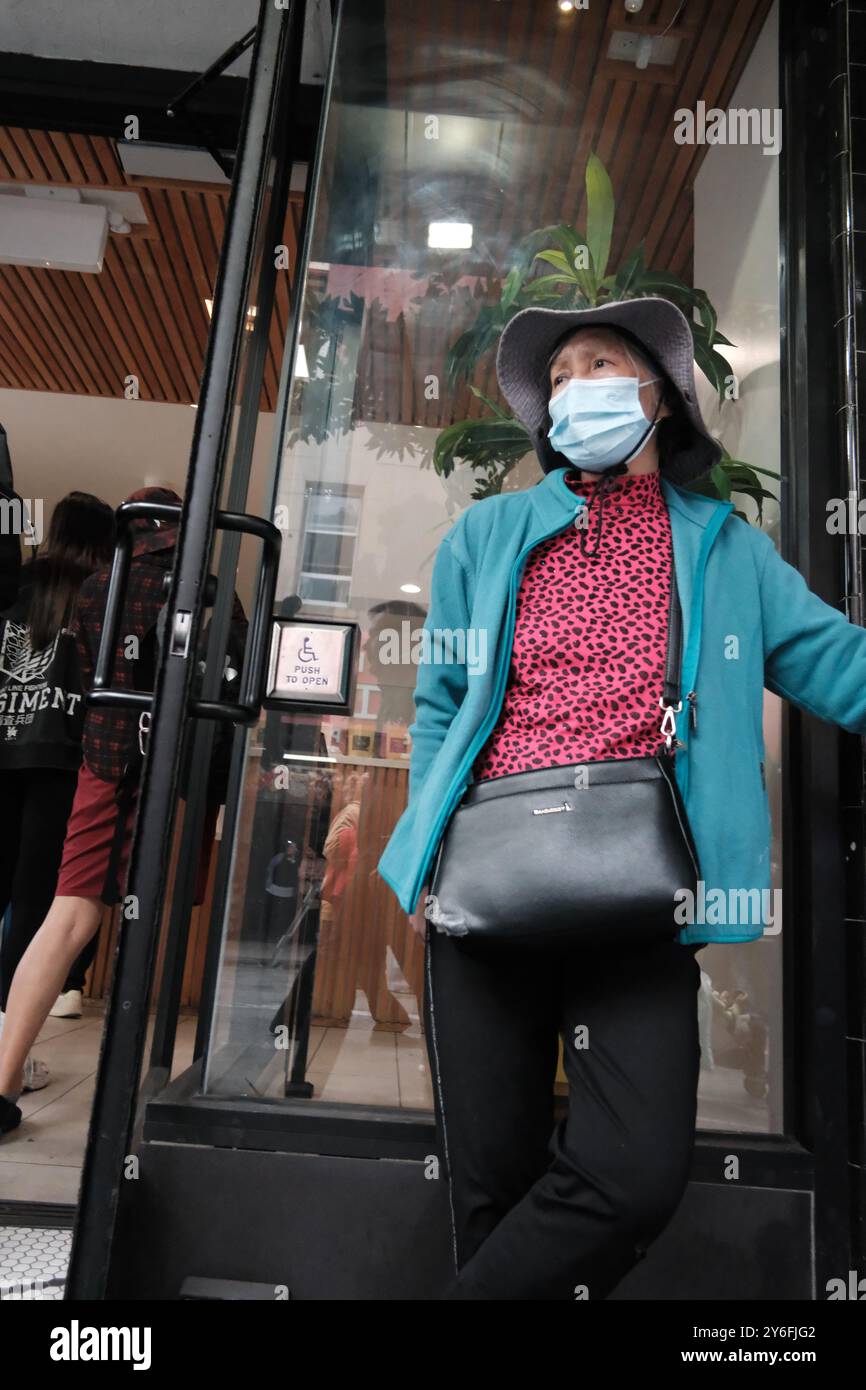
(36,1074)
(68,1005)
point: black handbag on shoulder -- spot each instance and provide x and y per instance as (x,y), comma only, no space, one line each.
(587,854)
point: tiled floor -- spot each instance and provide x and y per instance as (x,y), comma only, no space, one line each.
(41,1161)
(33,1262)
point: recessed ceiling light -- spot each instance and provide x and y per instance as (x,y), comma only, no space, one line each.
(566,6)
(451,236)
(409,589)
(251,313)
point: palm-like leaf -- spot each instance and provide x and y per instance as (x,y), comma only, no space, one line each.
(600,206)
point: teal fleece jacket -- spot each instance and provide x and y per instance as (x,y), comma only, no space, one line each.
(749,621)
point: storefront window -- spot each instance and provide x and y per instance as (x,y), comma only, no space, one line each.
(468,155)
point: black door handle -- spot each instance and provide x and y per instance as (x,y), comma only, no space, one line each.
(253,676)
(101,692)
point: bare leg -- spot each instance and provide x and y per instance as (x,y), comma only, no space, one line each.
(41,972)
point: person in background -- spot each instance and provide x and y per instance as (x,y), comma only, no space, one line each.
(281,889)
(41,723)
(99,832)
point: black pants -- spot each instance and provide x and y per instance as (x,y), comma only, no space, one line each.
(564,1212)
(34,807)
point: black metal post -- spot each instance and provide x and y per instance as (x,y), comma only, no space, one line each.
(814,947)
(236,774)
(174,958)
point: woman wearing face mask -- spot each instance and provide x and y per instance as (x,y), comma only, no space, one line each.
(593,763)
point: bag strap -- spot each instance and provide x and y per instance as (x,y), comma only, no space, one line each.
(670,701)
(126,789)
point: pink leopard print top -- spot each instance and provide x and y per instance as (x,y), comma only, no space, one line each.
(588,659)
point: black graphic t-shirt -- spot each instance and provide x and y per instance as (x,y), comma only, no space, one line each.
(41,697)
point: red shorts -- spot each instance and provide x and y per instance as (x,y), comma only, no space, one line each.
(90,833)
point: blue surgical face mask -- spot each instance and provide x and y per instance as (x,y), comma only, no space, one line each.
(600,422)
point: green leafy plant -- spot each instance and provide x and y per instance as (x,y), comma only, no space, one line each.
(578,278)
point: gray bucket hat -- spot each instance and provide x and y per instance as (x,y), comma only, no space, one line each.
(661,330)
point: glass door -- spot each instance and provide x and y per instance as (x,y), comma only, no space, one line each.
(213,659)
(468,156)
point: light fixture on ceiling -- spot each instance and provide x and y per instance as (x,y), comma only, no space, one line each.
(450,236)
(179,163)
(302,371)
(251,314)
(566,6)
(61,227)
(643,50)
(410,589)
(59,236)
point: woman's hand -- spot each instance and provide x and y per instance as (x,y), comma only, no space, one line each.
(417,918)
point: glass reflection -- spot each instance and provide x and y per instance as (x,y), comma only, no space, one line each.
(457,154)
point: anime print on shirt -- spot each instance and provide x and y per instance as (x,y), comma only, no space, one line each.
(37,687)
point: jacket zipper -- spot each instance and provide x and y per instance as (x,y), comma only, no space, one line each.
(689,717)
(458,785)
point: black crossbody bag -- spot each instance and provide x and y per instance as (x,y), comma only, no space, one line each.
(586,854)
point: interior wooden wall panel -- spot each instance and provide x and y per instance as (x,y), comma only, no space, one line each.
(352,952)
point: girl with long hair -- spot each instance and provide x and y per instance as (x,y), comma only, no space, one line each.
(41,722)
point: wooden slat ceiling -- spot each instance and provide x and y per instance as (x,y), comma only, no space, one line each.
(543,77)
(145,313)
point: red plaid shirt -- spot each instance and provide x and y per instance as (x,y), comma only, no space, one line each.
(110,733)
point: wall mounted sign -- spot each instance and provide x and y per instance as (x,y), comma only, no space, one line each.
(312,665)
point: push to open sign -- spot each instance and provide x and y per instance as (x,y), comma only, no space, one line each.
(311,664)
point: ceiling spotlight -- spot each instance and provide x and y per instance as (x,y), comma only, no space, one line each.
(249,325)
(644,51)
(566,6)
(451,236)
(410,589)
(634,6)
